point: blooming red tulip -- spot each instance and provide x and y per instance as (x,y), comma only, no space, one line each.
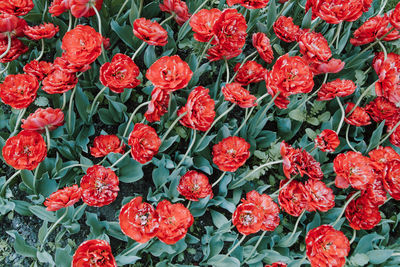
(63,198)
(286,30)
(236,94)
(59,81)
(93,252)
(327,141)
(250,4)
(231,153)
(293,198)
(391,180)
(16,7)
(263,46)
(17,48)
(43,31)
(395,17)
(39,69)
(158,105)
(250,72)
(248,218)
(321,196)
(150,32)
(359,117)
(202,24)
(144,143)
(19,90)
(84,8)
(42,118)
(336,88)
(361,214)
(194,185)
(178,8)
(106,144)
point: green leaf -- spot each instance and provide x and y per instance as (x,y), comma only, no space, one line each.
(379,256)
(149,56)
(376,136)
(160,175)
(222,260)
(63,256)
(20,246)
(45,257)
(298,115)
(28,179)
(306,23)
(205,143)
(359,259)
(43,214)
(131,171)
(167,143)
(41,101)
(82,103)
(289,240)
(124,32)
(271,15)
(366,243)
(202,164)
(218,218)
(158,248)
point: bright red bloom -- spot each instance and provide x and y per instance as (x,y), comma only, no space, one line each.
(352,168)
(58,7)
(169,73)
(106,144)
(289,75)
(395,17)
(158,105)
(314,46)
(144,143)
(270,209)
(359,117)
(231,153)
(388,71)
(17,48)
(19,90)
(120,73)
(194,185)
(63,198)
(250,4)
(250,72)
(82,45)
(230,30)
(139,220)
(361,215)
(391,180)
(25,150)
(178,8)
(42,118)
(373,29)
(285,29)
(39,69)
(200,110)
(248,218)
(175,220)
(66,66)
(99,186)
(336,88)
(8,23)
(332,66)
(84,8)
(238,95)
(150,32)
(43,31)
(59,81)
(294,198)
(218,52)
(202,24)
(16,7)
(277,264)
(381,109)
(321,196)
(327,141)
(381,156)
(327,247)
(93,253)
(263,46)
(395,136)
(375,193)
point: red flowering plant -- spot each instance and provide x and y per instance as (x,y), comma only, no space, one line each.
(205,133)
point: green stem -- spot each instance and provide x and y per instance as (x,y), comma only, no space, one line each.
(316,91)
(345,206)
(389,133)
(241,64)
(18,122)
(5,68)
(70,107)
(138,50)
(347,138)
(227,70)
(167,19)
(383,49)
(256,245)
(83,206)
(69,21)
(120,159)
(276,193)
(232,249)
(336,35)
(354,236)
(64,101)
(382,7)
(133,115)
(188,21)
(72,166)
(123,6)
(257,169)
(138,245)
(3,189)
(361,97)
(283,9)
(99,22)
(172,126)
(188,150)
(188,205)
(95,101)
(41,51)
(47,137)
(53,227)
(343,115)
(219,179)
(205,49)
(296,225)
(8,46)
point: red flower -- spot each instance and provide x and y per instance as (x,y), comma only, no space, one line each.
(106,144)
(285,29)
(231,153)
(395,17)
(375,193)
(314,46)
(93,252)
(336,88)
(294,198)
(144,143)
(236,94)
(99,186)
(373,29)
(359,117)
(395,136)
(46,30)
(25,150)
(59,81)
(66,66)
(289,75)
(361,215)
(16,7)
(17,48)
(82,45)
(352,168)
(194,185)
(175,220)
(270,209)
(39,69)
(332,66)
(19,90)
(8,22)
(169,73)
(177,8)
(388,70)
(250,4)
(381,109)
(248,218)
(321,196)
(277,264)
(381,156)
(263,46)
(230,30)
(218,52)
(202,24)
(327,141)
(158,105)
(84,8)
(58,7)
(150,32)
(42,118)
(200,110)
(391,180)
(326,246)
(120,73)
(250,72)
(139,220)
(63,198)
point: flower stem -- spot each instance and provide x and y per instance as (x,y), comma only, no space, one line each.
(219,179)
(172,126)
(3,189)
(120,159)
(188,150)
(382,7)
(167,19)
(83,206)
(345,206)
(316,91)
(64,101)
(70,107)
(5,68)
(133,115)
(138,50)
(255,246)
(95,101)
(122,8)
(8,46)
(296,225)
(283,9)
(276,193)
(232,249)
(197,10)
(347,138)
(47,137)
(41,51)
(72,166)
(69,21)
(138,245)
(336,35)
(241,64)
(53,227)
(343,115)
(389,133)
(383,49)
(354,236)
(227,70)
(99,22)
(188,205)
(205,49)
(18,122)
(361,97)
